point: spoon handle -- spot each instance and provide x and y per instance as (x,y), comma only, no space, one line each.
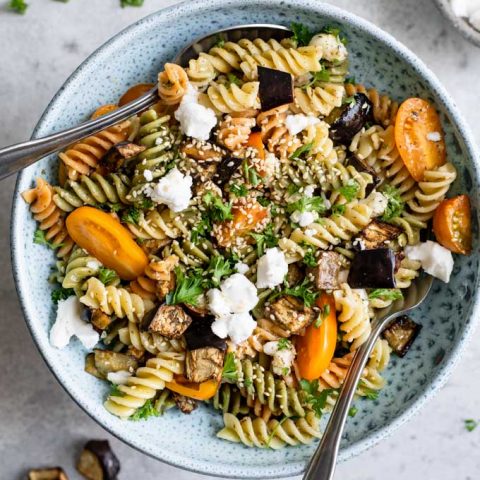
(21,155)
(322,464)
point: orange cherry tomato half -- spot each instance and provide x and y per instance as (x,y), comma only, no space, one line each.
(255,141)
(108,240)
(417,128)
(134,92)
(315,349)
(103,110)
(198,391)
(452,224)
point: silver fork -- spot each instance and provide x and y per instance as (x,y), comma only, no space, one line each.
(322,464)
(21,155)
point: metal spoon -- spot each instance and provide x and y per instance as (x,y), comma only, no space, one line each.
(21,155)
(322,464)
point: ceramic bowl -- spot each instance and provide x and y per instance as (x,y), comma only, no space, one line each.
(136,55)
(459,23)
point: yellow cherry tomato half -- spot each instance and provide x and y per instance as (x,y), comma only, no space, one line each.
(108,240)
(198,391)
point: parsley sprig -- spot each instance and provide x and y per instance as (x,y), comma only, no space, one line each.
(309,258)
(395,203)
(217,210)
(386,294)
(218,268)
(61,294)
(303,290)
(107,275)
(471,424)
(147,411)
(266,239)
(230,372)
(301,33)
(132,215)
(239,189)
(317,77)
(115,391)
(318,400)
(308,204)
(40,239)
(283,344)
(303,150)
(350,190)
(187,289)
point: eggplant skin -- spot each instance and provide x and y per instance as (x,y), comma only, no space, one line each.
(225,169)
(351,118)
(373,269)
(361,166)
(199,335)
(98,462)
(276,88)
(401,333)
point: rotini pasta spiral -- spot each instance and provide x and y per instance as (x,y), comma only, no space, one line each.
(353,317)
(83,157)
(49,216)
(172,84)
(228,399)
(145,384)
(272,434)
(233,98)
(92,190)
(320,100)
(200,72)
(322,145)
(113,300)
(234,130)
(158,225)
(80,267)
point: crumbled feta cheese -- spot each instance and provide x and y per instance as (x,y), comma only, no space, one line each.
(69,322)
(282,357)
(436,259)
(195,120)
(271,268)
(310,232)
(308,191)
(377,202)
(242,268)
(217,302)
(329,47)
(304,219)
(174,190)
(434,136)
(118,378)
(148,175)
(296,123)
(237,326)
(93,264)
(240,293)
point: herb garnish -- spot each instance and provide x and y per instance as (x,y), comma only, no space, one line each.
(19,6)
(283,344)
(386,294)
(40,239)
(239,190)
(350,80)
(309,258)
(132,215)
(61,294)
(232,78)
(317,77)
(369,393)
(338,209)
(353,411)
(395,203)
(349,190)
(131,3)
(107,275)
(272,433)
(318,400)
(147,411)
(307,204)
(303,291)
(187,289)
(349,101)
(323,315)
(218,268)
(335,31)
(301,33)
(200,230)
(230,372)
(470,424)
(264,240)
(304,149)
(292,189)
(216,209)
(115,391)
(251,175)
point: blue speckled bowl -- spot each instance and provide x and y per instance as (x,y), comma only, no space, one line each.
(135,55)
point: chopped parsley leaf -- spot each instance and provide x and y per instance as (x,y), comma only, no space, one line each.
(369,393)
(131,3)
(115,392)
(323,315)
(229,372)
(336,32)
(218,268)
(251,175)
(146,204)
(239,190)
(232,78)
(470,424)
(18,6)
(386,294)
(220,43)
(216,209)
(40,239)
(264,240)
(303,290)
(187,289)
(350,190)
(200,230)
(61,294)
(147,411)
(283,344)
(132,215)
(350,80)
(301,33)
(272,433)
(317,77)
(307,204)
(318,400)
(309,258)
(304,149)
(292,189)
(353,411)
(107,275)
(395,203)
(339,209)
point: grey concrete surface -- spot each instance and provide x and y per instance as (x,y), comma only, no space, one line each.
(39,423)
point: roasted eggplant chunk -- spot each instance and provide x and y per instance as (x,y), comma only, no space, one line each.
(91,368)
(401,333)
(185,404)
(373,269)
(171,321)
(377,234)
(116,157)
(100,320)
(326,273)
(200,335)
(225,169)
(350,119)
(203,364)
(98,462)
(361,166)
(107,361)
(276,88)
(47,474)
(290,313)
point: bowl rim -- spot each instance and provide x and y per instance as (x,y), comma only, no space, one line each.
(341,16)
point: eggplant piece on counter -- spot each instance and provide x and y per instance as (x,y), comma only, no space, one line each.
(373,269)
(276,88)
(170,321)
(98,462)
(377,234)
(350,119)
(199,335)
(401,333)
(55,473)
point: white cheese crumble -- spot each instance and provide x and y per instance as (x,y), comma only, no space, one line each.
(329,47)
(435,259)
(377,202)
(174,190)
(237,326)
(195,120)
(308,191)
(148,175)
(271,268)
(240,293)
(118,378)
(304,219)
(282,357)
(469,9)
(69,322)
(434,136)
(242,268)
(296,123)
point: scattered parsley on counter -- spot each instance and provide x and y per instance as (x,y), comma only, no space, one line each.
(18,6)
(470,424)
(131,3)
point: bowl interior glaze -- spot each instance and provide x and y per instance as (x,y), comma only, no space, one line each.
(136,55)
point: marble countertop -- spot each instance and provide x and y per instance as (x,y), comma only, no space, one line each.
(39,423)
